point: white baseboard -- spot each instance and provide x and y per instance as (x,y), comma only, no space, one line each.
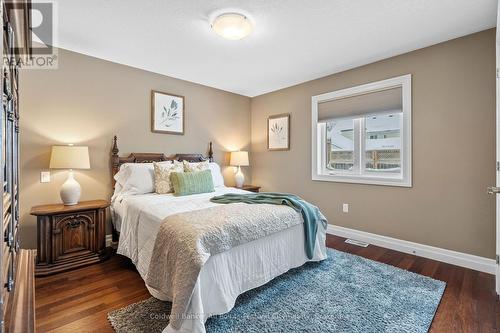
(109,240)
(448,256)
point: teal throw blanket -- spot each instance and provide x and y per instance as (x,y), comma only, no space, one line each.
(310,213)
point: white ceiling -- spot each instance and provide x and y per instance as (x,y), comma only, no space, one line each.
(293,41)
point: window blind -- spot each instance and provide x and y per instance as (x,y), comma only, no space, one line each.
(373,102)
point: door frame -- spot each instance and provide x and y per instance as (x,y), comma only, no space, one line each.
(497,278)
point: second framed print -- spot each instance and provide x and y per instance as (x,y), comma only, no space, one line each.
(278,132)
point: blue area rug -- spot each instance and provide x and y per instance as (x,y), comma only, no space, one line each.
(345,293)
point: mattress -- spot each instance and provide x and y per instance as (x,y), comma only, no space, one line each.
(225,275)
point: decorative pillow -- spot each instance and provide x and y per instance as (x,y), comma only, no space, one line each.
(192,167)
(186,183)
(162,176)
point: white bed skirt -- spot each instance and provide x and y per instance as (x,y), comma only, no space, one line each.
(227,275)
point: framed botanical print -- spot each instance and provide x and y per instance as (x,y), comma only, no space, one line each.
(167,113)
(278,132)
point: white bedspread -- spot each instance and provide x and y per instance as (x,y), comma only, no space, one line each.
(225,275)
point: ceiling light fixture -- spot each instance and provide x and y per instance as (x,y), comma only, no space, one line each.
(232,26)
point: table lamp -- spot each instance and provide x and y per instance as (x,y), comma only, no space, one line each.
(70,157)
(239,159)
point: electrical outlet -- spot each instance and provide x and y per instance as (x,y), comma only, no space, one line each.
(345,208)
(45,177)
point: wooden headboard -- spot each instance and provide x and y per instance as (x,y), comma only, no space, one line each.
(117,161)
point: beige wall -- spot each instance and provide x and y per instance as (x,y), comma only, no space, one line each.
(453,149)
(88,100)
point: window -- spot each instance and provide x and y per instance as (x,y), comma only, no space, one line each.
(340,145)
(363,134)
(382,148)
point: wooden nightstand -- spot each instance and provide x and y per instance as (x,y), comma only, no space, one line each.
(251,188)
(70,236)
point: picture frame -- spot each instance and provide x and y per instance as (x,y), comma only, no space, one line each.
(278,132)
(167,113)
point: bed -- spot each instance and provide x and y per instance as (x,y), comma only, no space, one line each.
(224,276)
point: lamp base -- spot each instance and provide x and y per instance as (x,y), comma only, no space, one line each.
(239,178)
(70,190)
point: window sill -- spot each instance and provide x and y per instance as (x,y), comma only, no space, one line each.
(368,180)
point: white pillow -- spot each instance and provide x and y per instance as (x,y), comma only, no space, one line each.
(216,174)
(136,178)
(212,166)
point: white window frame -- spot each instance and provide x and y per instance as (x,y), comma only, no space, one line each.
(319,172)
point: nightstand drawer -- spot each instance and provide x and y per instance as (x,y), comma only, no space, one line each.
(73,233)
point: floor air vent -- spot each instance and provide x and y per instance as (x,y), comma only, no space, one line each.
(355,242)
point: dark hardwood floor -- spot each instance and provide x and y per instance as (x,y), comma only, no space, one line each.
(78,301)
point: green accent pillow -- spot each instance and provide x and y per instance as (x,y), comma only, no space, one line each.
(186,183)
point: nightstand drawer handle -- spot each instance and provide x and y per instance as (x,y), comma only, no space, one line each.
(74,224)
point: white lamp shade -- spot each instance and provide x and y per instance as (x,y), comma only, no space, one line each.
(69,157)
(239,158)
